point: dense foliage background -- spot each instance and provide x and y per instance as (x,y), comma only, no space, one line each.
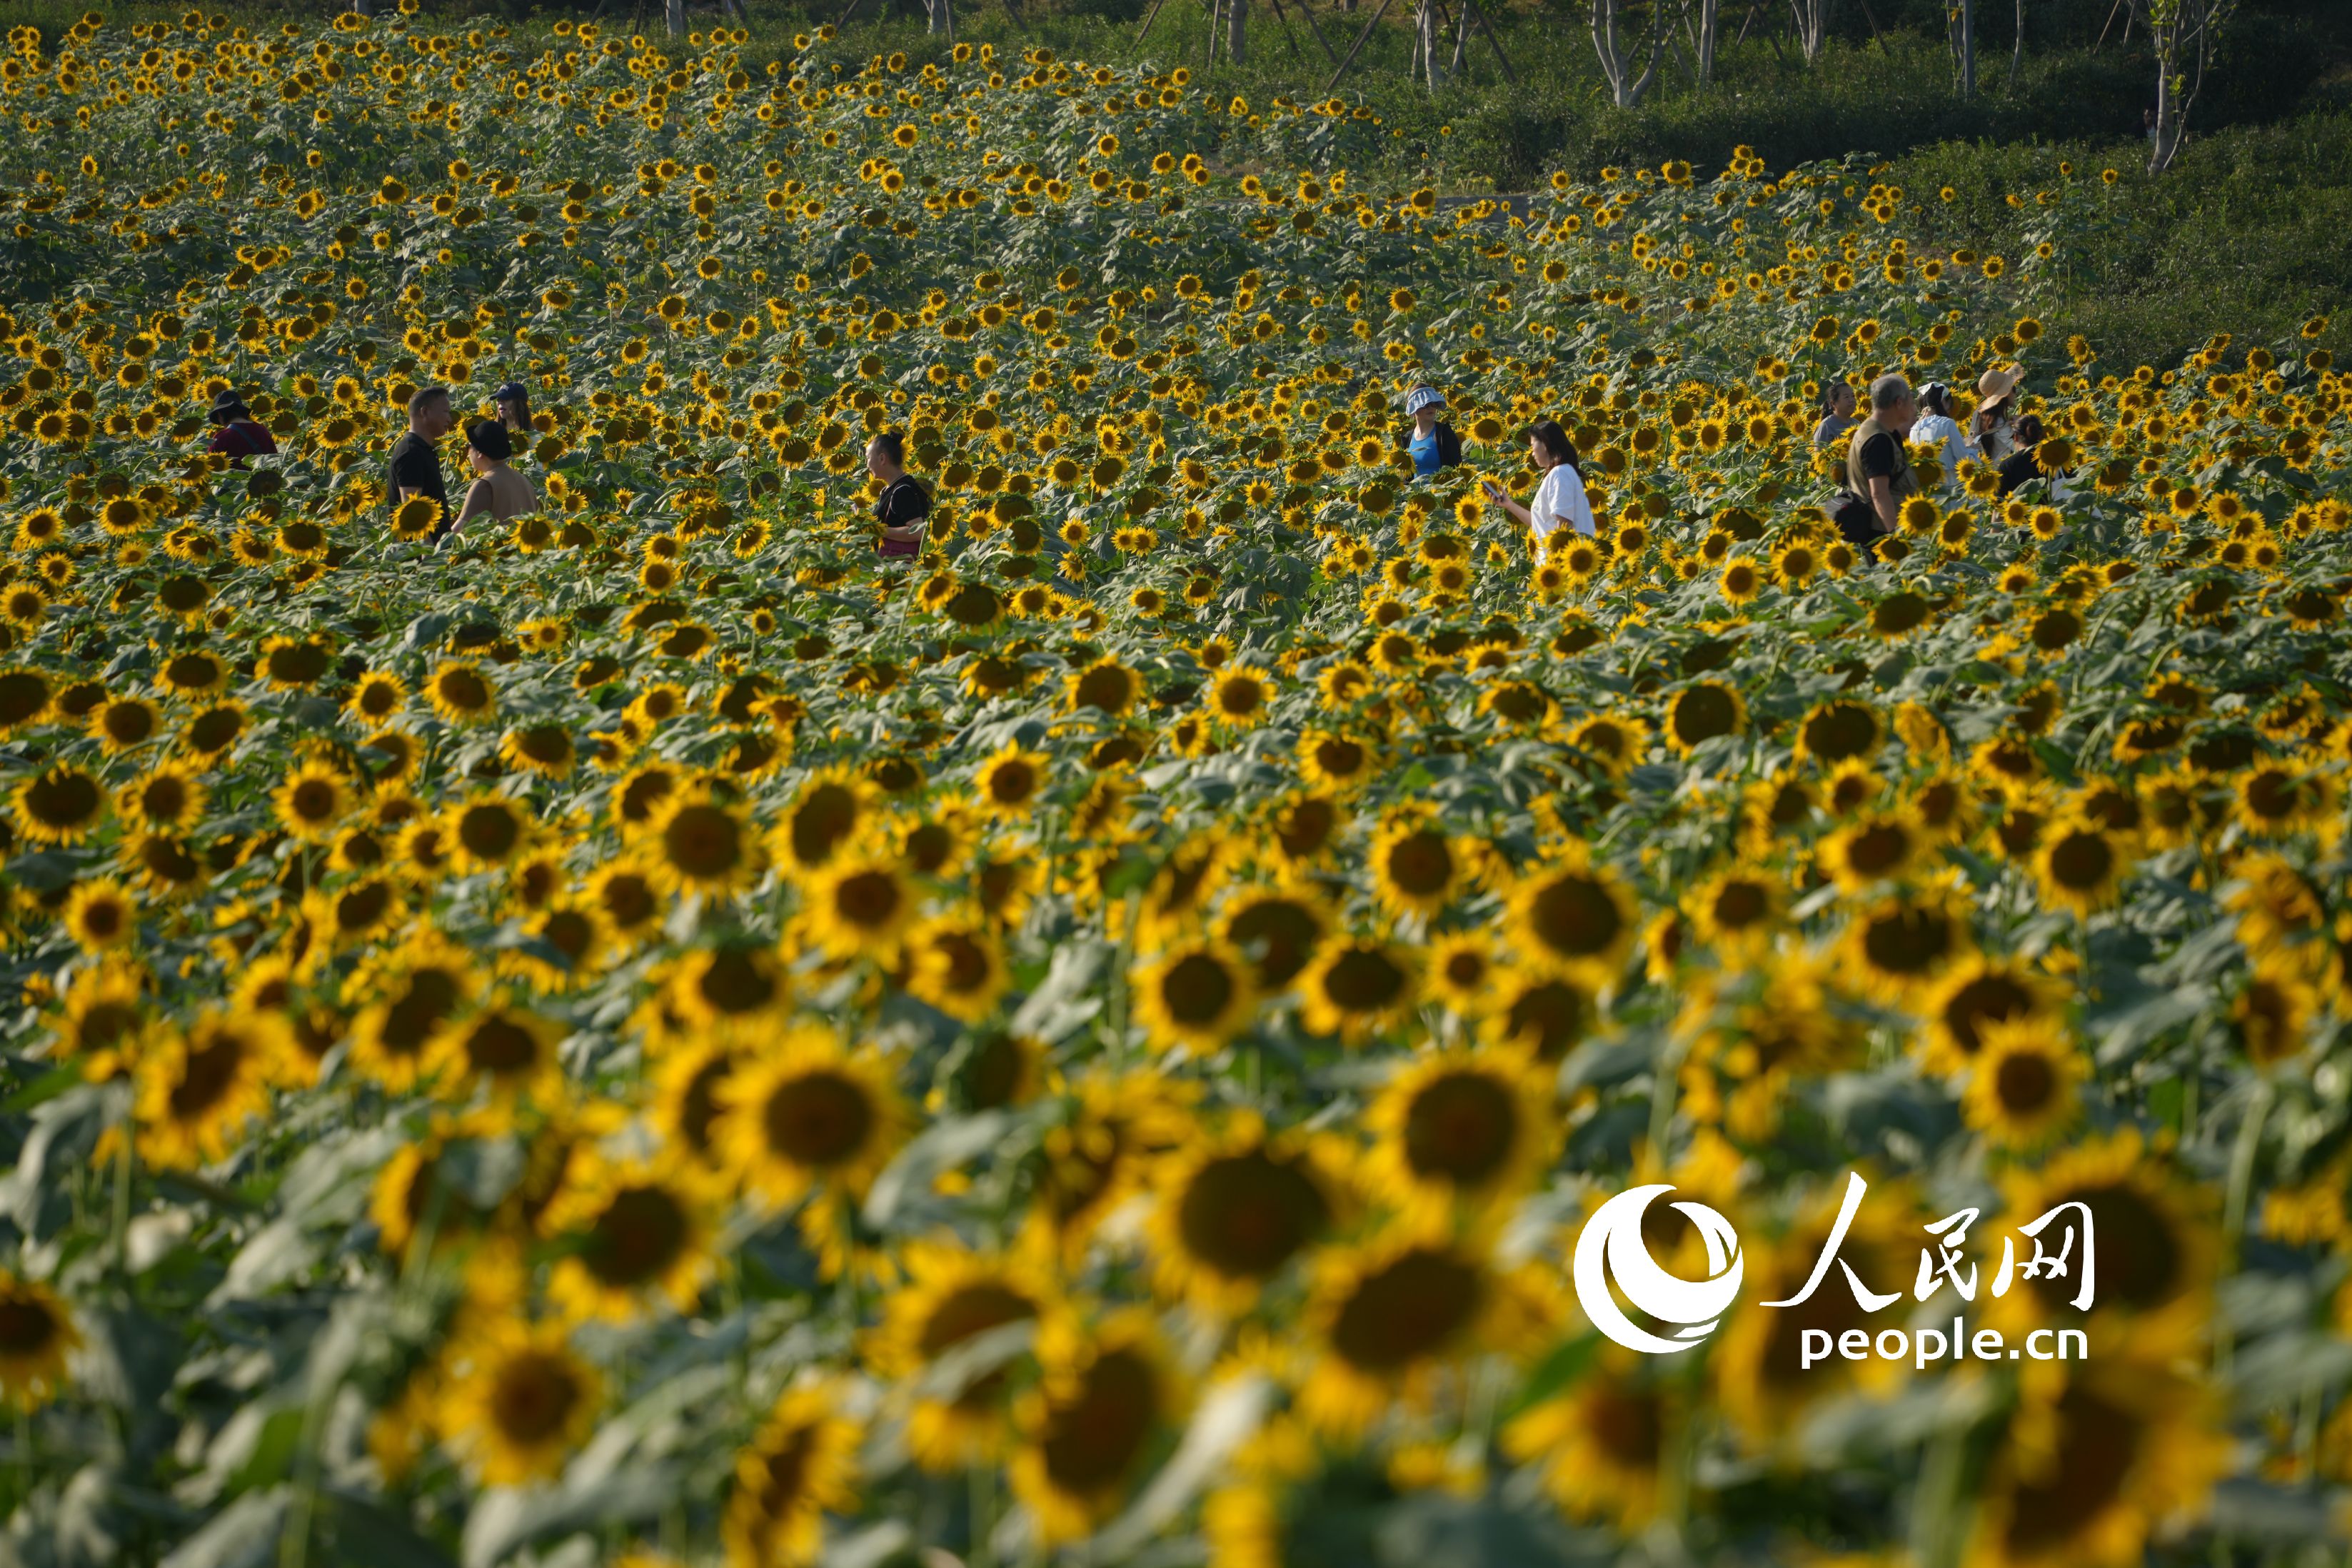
(646,1034)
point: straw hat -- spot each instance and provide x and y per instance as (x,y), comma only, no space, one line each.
(1995,384)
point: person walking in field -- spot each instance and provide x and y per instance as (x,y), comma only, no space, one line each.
(1837,414)
(513,403)
(903,504)
(1560,501)
(1994,429)
(237,435)
(1937,428)
(414,465)
(497,491)
(1877,466)
(1432,445)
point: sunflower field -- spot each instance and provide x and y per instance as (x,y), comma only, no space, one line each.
(653,1035)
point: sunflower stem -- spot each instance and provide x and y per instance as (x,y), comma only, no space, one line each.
(2233,1215)
(980,1551)
(123,1155)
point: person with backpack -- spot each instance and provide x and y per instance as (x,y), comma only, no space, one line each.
(903,504)
(1433,444)
(1878,474)
(238,435)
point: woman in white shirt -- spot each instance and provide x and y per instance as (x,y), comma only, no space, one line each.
(1559,500)
(1937,427)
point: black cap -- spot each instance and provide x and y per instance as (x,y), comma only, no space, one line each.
(228,405)
(488,438)
(512,392)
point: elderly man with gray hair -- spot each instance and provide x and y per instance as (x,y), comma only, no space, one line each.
(1877,467)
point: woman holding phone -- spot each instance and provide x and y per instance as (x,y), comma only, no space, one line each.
(1559,500)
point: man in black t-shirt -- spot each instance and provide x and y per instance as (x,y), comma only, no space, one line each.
(416,467)
(903,504)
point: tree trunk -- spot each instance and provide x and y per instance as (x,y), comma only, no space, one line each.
(1960,27)
(2017,48)
(2171,113)
(1236,30)
(1812,27)
(1625,89)
(674,16)
(942,20)
(1704,45)
(1424,23)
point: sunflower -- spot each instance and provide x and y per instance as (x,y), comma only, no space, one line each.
(1758,1367)
(1115,1131)
(2081,865)
(1574,916)
(1703,711)
(1978,993)
(1356,987)
(419,990)
(170,800)
(2272,1014)
(734,982)
(1106,685)
(1239,696)
(311,800)
(1416,868)
(809,1112)
(950,1298)
(859,906)
(60,804)
(489,831)
(1087,1429)
(831,807)
(696,843)
(1735,913)
(632,1234)
(461,693)
(1305,827)
(802,1465)
(1837,730)
(544,749)
(120,723)
(38,1335)
(1233,1210)
(198,1092)
(1459,1128)
(1877,847)
(1335,761)
(504,1049)
(1278,930)
(1197,996)
(1540,1012)
(958,966)
(521,1402)
(1603,1446)
(2021,1091)
(2098,1458)
(1010,781)
(1385,1314)
(1899,944)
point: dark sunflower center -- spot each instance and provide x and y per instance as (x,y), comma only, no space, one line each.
(1407,1311)
(868,901)
(498,1045)
(1422,864)
(430,998)
(703,840)
(819,1118)
(535,1393)
(1575,917)
(1364,980)
(207,1080)
(27,1327)
(2082,861)
(1092,1441)
(641,1233)
(1245,1215)
(1461,1128)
